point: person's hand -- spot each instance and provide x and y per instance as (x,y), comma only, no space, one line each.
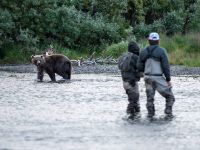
(169,83)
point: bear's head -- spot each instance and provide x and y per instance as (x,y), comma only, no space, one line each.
(38,60)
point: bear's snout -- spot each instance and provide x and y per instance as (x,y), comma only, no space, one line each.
(38,62)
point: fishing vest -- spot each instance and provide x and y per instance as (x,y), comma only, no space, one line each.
(152,64)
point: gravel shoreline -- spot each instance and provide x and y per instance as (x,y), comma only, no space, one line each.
(29,68)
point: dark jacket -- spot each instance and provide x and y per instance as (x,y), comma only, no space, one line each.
(132,74)
(157,54)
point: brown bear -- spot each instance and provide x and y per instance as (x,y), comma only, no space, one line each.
(51,64)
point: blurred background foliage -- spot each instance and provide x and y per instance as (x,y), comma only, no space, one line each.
(80,27)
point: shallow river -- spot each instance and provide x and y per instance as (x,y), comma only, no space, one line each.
(88,113)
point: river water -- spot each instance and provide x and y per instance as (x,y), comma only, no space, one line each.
(88,113)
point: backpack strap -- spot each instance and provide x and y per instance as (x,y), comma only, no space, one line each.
(150,52)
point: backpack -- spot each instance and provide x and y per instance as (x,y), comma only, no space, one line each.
(124,61)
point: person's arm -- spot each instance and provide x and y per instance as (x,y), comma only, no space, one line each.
(165,66)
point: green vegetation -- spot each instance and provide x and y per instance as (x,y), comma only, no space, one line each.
(15,56)
(183,49)
(77,28)
(115,50)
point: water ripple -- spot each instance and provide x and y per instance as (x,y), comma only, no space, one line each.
(88,112)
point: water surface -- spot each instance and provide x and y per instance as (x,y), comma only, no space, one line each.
(88,113)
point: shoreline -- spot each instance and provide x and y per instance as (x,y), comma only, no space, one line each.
(30,68)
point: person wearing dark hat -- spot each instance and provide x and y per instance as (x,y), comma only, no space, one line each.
(130,76)
(154,63)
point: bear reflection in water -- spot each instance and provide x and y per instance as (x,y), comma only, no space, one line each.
(51,64)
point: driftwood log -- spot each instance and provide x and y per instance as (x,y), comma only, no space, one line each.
(93,61)
(88,61)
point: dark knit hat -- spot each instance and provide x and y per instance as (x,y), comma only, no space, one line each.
(133,48)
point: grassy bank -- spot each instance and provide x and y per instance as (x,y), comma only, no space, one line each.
(182,50)
(17,55)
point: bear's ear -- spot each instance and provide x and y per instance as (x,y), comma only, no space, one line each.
(32,56)
(42,56)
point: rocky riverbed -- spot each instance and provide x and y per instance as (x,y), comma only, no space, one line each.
(29,68)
